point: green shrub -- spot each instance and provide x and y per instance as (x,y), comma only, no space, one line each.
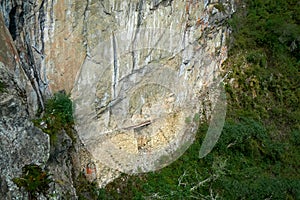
(34,180)
(264,58)
(60,107)
(58,116)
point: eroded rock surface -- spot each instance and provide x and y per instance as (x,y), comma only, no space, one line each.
(20,142)
(137,71)
(148,66)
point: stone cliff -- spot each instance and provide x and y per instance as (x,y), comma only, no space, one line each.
(20,142)
(137,71)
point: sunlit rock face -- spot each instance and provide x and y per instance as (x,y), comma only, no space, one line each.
(147,68)
(137,70)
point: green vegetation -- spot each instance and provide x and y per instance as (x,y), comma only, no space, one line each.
(85,189)
(60,107)
(58,116)
(2,87)
(257,155)
(34,180)
(265,63)
(220,7)
(188,120)
(245,164)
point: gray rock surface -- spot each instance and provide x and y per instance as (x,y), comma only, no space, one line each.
(24,20)
(20,142)
(148,66)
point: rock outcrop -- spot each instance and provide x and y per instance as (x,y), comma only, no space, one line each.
(148,66)
(21,143)
(138,72)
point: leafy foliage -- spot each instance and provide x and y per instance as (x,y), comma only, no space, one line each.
(265,62)
(58,116)
(34,180)
(60,107)
(271,25)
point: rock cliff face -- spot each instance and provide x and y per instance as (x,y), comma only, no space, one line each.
(55,38)
(148,65)
(20,142)
(136,70)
